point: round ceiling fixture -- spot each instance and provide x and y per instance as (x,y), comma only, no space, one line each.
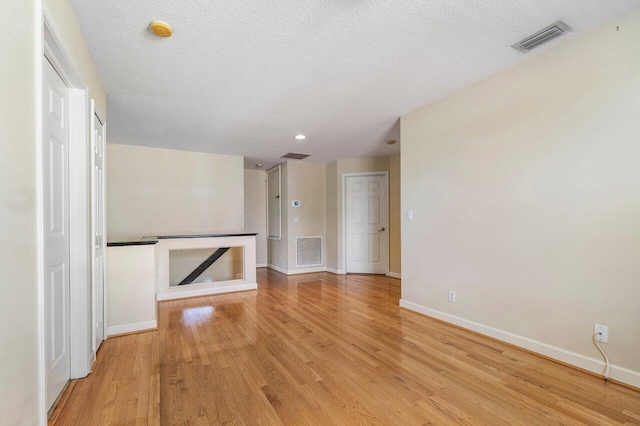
(258,165)
(391,142)
(161,29)
(300,137)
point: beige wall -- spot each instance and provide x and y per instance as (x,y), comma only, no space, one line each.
(305,183)
(335,170)
(395,249)
(19,137)
(153,191)
(524,188)
(131,288)
(255,210)
(332,218)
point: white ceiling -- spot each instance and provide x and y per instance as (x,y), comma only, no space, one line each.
(244,77)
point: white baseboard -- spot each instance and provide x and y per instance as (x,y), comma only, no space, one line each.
(306,270)
(297,271)
(206,291)
(590,364)
(131,328)
(261,265)
(336,271)
(277,269)
(395,275)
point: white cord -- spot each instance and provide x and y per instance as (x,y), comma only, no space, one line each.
(606,359)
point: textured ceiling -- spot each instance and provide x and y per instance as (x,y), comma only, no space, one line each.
(244,77)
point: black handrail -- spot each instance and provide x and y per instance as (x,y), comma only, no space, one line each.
(204,266)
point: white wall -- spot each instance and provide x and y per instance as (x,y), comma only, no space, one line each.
(20,135)
(255,210)
(19,403)
(525,191)
(154,191)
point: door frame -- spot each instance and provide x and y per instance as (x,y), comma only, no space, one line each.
(96,113)
(273,169)
(80,333)
(344,216)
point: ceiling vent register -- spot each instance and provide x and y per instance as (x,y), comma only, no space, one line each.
(294,156)
(544,35)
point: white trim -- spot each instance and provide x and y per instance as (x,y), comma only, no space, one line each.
(395,275)
(80,305)
(336,271)
(132,328)
(279,201)
(344,216)
(39,72)
(56,53)
(262,265)
(207,291)
(590,364)
(321,251)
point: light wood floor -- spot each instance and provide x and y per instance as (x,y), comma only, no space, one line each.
(328,349)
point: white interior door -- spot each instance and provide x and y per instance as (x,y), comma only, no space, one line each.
(55,153)
(367,223)
(97,288)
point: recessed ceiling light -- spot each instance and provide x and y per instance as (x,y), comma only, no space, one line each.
(259,165)
(300,137)
(161,29)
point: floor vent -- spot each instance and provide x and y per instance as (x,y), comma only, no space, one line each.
(295,156)
(308,251)
(544,35)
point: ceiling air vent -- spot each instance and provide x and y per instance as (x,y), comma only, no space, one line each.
(544,35)
(295,156)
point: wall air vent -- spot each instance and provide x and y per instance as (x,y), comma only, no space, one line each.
(295,156)
(308,251)
(544,35)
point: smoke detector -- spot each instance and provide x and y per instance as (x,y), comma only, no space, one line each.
(546,34)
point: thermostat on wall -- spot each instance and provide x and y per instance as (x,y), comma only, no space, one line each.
(295,203)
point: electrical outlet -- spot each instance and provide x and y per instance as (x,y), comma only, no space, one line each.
(602,333)
(452,296)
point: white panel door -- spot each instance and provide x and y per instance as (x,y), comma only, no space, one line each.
(367,221)
(55,154)
(97,288)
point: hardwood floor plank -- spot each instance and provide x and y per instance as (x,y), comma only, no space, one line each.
(327,349)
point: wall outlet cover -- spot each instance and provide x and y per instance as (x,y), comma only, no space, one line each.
(601,332)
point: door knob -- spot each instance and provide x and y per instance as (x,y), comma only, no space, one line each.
(380,230)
